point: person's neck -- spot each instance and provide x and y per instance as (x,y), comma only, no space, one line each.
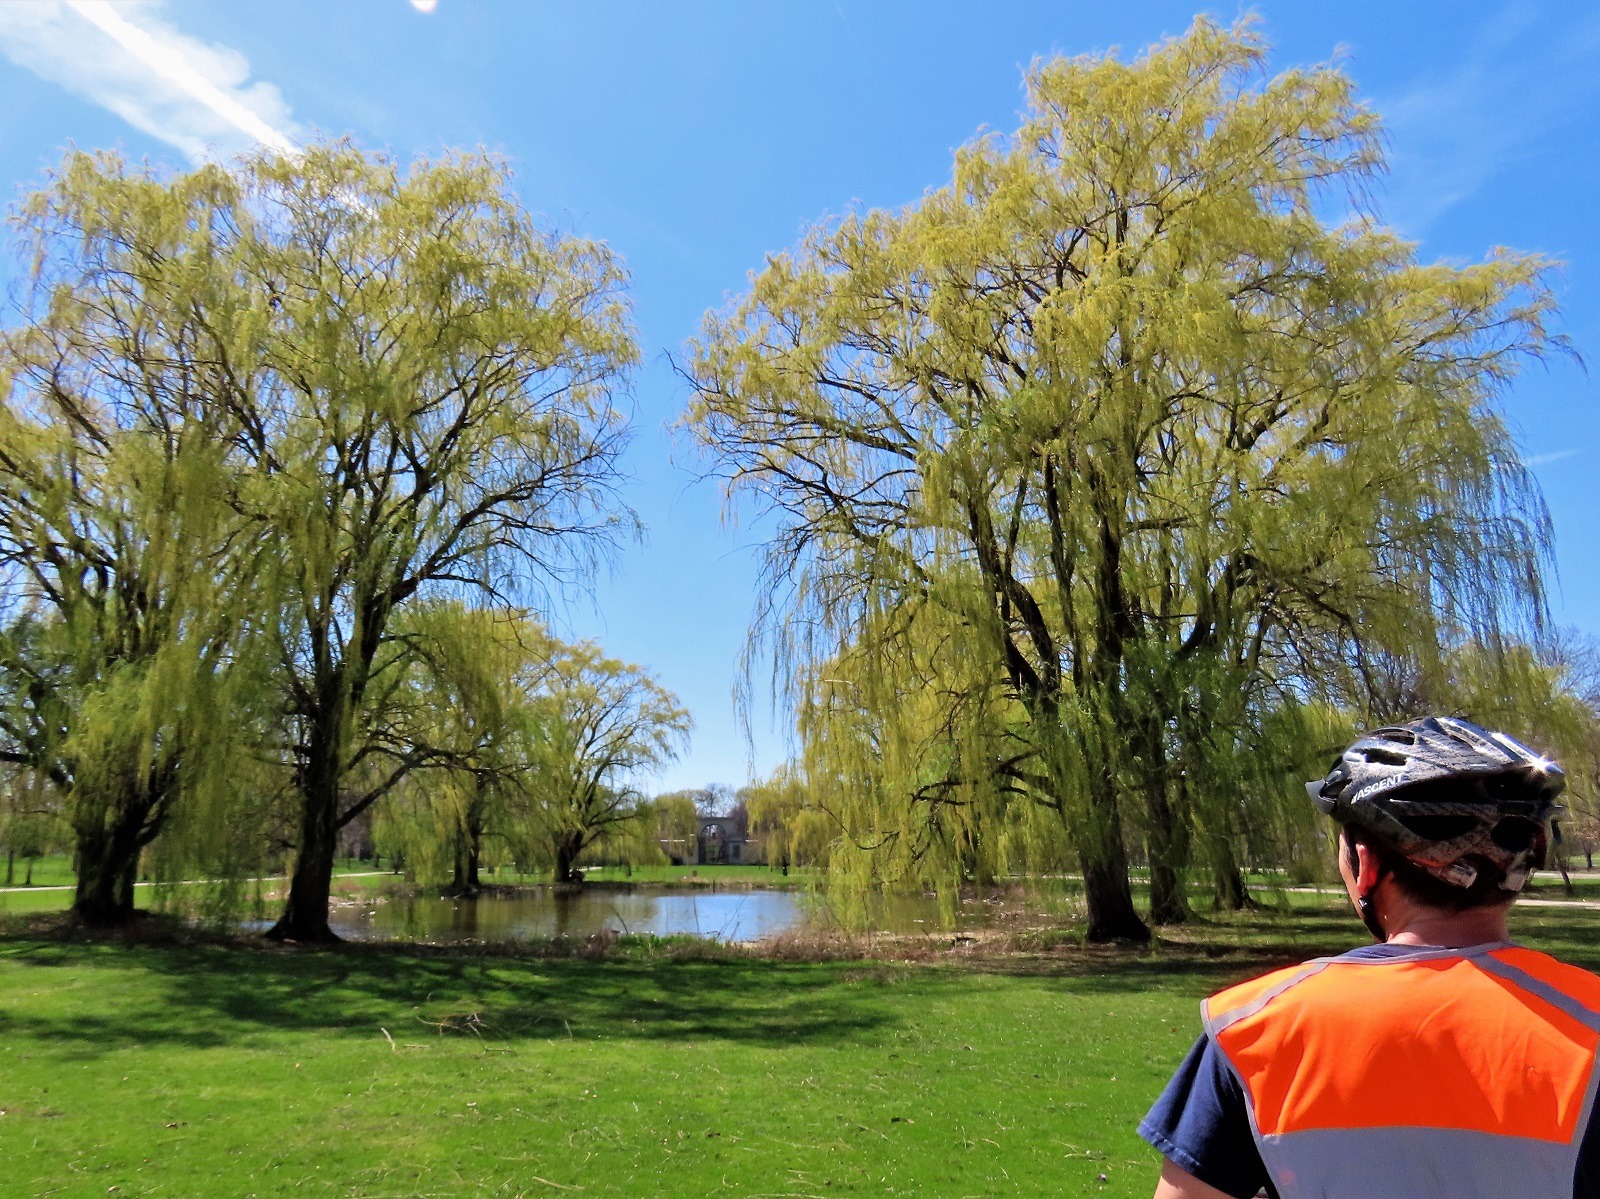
(1414,924)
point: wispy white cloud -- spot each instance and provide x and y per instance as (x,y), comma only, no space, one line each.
(1547,459)
(1527,76)
(194,95)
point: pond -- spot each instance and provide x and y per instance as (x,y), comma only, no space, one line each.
(542,912)
(739,915)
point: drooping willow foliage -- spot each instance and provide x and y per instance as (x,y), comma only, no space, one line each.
(1111,480)
(538,747)
(126,570)
(250,417)
(1112,486)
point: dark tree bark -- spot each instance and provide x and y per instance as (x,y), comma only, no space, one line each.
(305,913)
(340,676)
(1227,885)
(1228,890)
(1108,896)
(1168,836)
(568,847)
(107,861)
(1113,917)
(1168,842)
(107,849)
(469,849)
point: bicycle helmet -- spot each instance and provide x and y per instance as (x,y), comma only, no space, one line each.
(1449,796)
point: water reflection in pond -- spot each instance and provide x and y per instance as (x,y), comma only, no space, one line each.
(743,915)
(724,916)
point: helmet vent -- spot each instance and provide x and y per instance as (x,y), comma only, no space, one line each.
(1439,828)
(1514,833)
(1389,757)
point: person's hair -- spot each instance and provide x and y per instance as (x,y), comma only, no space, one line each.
(1421,887)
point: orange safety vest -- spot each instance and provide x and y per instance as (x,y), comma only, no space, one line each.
(1440,1072)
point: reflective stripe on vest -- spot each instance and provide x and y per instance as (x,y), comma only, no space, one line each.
(1454,1073)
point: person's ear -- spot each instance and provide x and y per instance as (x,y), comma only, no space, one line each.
(1369,872)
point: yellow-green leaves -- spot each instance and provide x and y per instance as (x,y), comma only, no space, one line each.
(254,413)
(1089,460)
(128,566)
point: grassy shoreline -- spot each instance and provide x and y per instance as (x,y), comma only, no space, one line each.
(53,881)
(355,881)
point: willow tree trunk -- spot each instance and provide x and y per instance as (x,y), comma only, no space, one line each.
(1169,859)
(469,848)
(1104,858)
(1227,880)
(568,847)
(107,863)
(305,913)
(1168,832)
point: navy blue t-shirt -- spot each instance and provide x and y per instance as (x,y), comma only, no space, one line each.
(1201,1122)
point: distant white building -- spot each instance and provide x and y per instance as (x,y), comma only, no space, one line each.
(722,841)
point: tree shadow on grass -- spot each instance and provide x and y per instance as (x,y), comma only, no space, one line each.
(1194,959)
(1216,950)
(202,996)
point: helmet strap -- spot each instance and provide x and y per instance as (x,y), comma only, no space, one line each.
(1517,872)
(1369,917)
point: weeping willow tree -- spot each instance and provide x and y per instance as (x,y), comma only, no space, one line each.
(915,749)
(433,819)
(607,727)
(1537,694)
(126,566)
(672,822)
(788,815)
(393,380)
(1112,425)
(435,416)
(534,746)
(473,682)
(1575,656)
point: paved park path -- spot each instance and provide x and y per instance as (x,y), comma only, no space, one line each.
(1521,903)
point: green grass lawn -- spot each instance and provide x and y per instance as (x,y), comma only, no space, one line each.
(214,1070)
(53,879)
(51,870)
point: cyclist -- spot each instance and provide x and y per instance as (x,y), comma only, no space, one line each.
(1444,1062)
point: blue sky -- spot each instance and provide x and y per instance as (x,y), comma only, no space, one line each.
(697,137)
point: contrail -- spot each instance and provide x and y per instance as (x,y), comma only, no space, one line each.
(169,65)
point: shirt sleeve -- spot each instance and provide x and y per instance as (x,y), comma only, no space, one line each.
(1586,1183)
(1202,1125)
